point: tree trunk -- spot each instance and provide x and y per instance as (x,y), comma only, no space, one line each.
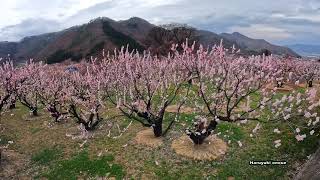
(199,136)
(279,84)
(56,116)
(54,113)
(157,128)
(3,101)
(12,105)
(198,139)
(34,111)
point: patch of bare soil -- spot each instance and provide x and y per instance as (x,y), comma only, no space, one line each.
(284,88)
(11,164)
(302,85)
(28,117)
(183,109)
(305,84)
(146,137)
(211,149)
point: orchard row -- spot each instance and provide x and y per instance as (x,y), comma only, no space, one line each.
(216,83)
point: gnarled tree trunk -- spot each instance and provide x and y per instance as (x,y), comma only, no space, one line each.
(89,123)
(199,136)
(157,128)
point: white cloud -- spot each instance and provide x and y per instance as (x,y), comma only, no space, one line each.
(310,17)
(28,27)
(259,19)
(262,31)
(19,10)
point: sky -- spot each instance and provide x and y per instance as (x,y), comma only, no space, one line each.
(278,21)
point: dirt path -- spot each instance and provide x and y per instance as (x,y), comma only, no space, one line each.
(12,163)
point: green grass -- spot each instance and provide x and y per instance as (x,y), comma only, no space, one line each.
(46,156)
(82,166)
(34,130)
(187,117)
(186,170)
(236,162)
(232,131)
(135,161)
(261,147)
(4,140)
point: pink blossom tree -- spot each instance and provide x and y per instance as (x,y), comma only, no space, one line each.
(52,93)
(227,86)
(283,69)
(298,110)
(30,83)
(8,76)
(8,82)
(142,87)
(84,98)
(308,71)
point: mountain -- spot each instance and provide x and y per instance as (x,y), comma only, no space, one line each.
(257,45)
(7,48)
(306,50)
(90,39)
(159,39)
(81,41)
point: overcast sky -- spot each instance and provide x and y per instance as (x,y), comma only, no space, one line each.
(278,21)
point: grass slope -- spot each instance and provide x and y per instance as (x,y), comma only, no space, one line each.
(53,155)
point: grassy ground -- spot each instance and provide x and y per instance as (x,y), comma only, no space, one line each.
(49,153)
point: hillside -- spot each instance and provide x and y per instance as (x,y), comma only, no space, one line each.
(79,42)
(306,49)
(90,39)
(7,48)
(250,44)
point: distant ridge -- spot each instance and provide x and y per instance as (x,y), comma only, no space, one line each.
(306,49)
(84,41)
(257,44)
